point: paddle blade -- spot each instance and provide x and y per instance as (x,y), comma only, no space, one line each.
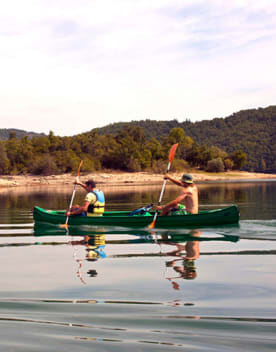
(172,152)
(78,174)
(152,225)
(63,226)
(171,156)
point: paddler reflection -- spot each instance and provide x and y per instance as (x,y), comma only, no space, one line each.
(95,245)
(187,254)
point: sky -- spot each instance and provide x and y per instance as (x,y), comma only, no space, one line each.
(70,66)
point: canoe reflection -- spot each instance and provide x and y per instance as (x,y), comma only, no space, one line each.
(182,264)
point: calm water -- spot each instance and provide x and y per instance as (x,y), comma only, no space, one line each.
(100,289)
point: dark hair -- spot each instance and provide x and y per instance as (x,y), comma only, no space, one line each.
(91,183)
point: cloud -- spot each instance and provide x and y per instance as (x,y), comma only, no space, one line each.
(66,61)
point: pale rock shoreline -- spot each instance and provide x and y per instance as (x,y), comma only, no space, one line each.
(126,178)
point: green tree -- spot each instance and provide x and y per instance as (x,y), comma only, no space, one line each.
(41,144)
(12,135)
(239,159)
(44,165)
(228,164)
(215,165)
(194,155)
(12,147)
(4,161)
(176,135)
(66,161)
(263,165)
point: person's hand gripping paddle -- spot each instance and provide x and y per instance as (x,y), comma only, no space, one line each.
(171,156)
(65,226)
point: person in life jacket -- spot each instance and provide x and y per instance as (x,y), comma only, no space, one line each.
(94,201)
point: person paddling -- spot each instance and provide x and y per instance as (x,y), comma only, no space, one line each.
(189,196)
(94,201)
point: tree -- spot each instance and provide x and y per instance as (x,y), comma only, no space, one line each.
(263,165)
(12,135)
(239,159)
(228,164)
(215,165)
(4,161)
(176,135)
(12,147)
(44,165)
(41,144)
(155,148)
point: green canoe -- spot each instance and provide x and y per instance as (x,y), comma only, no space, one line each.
(229,215)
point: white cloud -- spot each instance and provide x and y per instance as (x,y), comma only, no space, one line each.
(63,63)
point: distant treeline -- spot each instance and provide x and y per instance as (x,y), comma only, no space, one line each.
(128,150)
(252,131)
(5,133)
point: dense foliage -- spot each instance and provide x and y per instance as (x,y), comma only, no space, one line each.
(252,131)
(245,140)
(128,150)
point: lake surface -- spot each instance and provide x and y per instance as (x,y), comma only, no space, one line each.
(100,289)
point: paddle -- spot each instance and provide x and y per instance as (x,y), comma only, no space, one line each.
(171,156)
(65,226)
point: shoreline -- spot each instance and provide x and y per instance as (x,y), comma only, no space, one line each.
(129,178)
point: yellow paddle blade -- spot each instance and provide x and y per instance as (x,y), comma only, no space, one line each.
(63,226)
(172,152)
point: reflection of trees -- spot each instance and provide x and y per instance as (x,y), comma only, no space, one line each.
(56,198)
(223,193)
(59,198)
(240,193)
(29,198)
(131,197)
(136,197)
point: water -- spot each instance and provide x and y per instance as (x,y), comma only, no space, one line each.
(122,290)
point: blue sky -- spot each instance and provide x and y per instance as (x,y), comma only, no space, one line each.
(70,66)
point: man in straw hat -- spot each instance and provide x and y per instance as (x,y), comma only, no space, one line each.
(188,195)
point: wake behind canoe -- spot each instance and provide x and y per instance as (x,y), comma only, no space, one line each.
(228,215)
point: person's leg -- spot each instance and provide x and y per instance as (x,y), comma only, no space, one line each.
(76,207)
(165,212)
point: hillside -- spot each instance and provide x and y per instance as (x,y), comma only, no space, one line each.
(253,131)
(129,146)
(5,133)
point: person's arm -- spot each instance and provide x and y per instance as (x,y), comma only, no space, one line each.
(79,183)
(169,205)
(176,182)
(172,204)
(84,208)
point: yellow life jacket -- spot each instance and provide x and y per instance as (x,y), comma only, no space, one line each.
(97,208)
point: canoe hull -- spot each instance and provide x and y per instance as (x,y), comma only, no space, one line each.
(229,215)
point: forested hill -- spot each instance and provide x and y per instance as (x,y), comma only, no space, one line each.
(7,132)
(245,140)
(252,131)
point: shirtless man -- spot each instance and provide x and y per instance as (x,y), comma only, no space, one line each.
(189,196)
